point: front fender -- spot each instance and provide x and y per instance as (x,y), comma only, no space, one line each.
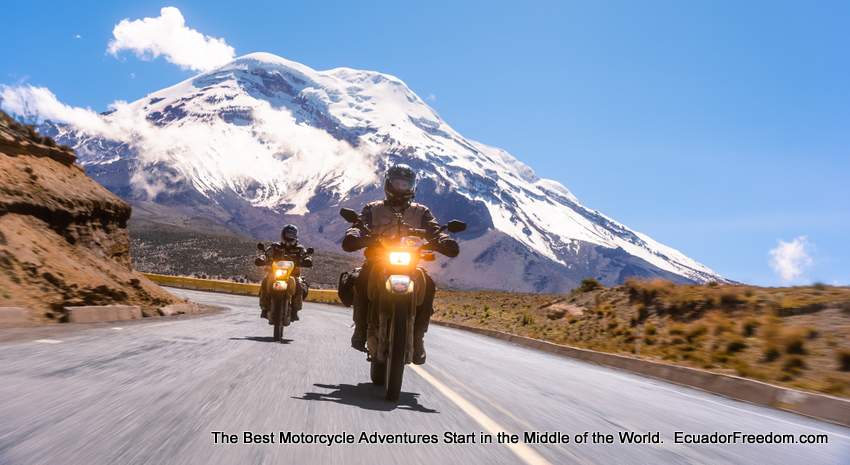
(378,284)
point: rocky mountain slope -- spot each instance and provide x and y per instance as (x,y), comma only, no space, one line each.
(63,237)
(263,141)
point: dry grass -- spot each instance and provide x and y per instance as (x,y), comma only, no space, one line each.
(791,336)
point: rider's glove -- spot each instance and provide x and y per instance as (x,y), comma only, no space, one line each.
(448,247)
(260,261)
(353,242)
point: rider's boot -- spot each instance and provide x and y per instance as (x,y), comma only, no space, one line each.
(423,318)
(264,301)
(264,308)
(358,339)
(419,348)
(297,302)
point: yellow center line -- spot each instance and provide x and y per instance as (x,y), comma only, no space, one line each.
(523,451)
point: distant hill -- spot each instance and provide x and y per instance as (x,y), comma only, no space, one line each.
(198,250)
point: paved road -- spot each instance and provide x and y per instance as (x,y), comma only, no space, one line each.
(153,393)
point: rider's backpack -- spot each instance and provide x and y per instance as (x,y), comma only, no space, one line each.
(345,289)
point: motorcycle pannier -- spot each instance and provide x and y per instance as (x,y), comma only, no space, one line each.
(345,289)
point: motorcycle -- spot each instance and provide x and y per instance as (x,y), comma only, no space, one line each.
(396,288)
(283,275)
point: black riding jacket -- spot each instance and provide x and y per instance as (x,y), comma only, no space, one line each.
(282,251)
(378,216)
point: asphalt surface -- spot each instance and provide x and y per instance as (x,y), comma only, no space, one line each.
(154,393)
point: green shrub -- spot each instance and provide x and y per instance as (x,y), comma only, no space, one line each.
(696,332)
(749,328)
(794,344)
(843,360)
(589,284)
(743,369)
(643,313)
(735,346)
(721,328)
(730,299)
(771,353)
(794,364)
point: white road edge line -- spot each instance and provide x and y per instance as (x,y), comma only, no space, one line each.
(726,402)
(524,452)
(502,410)
(48,341)
(658,383)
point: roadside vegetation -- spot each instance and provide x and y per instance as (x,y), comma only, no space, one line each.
(172,250)
(794,336)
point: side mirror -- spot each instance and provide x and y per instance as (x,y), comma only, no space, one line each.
(261,247)
(350,215)
(310,251)
(456,226)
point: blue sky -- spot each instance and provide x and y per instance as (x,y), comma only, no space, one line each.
(719,128)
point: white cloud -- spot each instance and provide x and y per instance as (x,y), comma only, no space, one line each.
(431,97)
(790,259)
(168,36)
(78,36)
(268,146)
(41,104)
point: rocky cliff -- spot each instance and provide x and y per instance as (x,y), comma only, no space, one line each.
(63,237)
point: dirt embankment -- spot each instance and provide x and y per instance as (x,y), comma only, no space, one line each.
(795,336)
(63,237)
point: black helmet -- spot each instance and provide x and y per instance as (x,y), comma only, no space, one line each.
(289,234)
(400,183)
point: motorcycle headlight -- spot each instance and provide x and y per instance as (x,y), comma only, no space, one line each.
(283,268)
(284,265)
(400,258)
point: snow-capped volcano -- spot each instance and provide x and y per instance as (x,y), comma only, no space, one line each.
(262,141)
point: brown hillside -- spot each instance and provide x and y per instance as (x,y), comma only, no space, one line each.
(63,237)
(794,336)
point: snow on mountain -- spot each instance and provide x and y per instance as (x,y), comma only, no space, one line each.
(264,140)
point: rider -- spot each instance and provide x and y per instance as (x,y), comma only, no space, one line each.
(287,248)
(399,186)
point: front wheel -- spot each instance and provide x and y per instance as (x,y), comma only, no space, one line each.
(398,344)
(286,316)
(277,311)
